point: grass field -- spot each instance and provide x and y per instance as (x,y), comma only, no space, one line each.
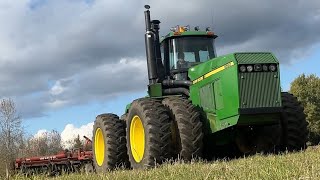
(301,165)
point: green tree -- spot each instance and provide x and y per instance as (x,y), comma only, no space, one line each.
(11,132)
(54,142)
(77,143)
(47,143)
(307,90)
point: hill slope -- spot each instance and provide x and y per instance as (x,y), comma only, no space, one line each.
(301,165)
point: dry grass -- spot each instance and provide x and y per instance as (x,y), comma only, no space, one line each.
(300,165)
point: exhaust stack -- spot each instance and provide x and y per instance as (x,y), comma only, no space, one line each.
(150,37)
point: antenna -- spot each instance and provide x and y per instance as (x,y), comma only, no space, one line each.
(212,20)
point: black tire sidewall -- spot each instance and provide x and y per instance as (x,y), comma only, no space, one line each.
(136,111)
(187,124)
(293,124)
(99,124)
(115,152)
(156,123)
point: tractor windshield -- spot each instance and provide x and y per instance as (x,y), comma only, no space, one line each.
(188,51)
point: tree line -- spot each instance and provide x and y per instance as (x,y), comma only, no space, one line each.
(14,143)
(307,89)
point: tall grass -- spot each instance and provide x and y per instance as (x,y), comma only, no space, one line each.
(299,165)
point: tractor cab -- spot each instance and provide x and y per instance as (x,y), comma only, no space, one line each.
(182,49)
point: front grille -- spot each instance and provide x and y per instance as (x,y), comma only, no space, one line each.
(259,89)
(253,58)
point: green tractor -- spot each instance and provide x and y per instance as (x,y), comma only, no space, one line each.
(199,103)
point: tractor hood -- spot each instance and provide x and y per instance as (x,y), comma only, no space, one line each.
(224,91)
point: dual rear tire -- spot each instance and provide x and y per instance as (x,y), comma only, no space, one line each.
(293,124)
(186,128)
(291,134)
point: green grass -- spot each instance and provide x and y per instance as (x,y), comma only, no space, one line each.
(300,165)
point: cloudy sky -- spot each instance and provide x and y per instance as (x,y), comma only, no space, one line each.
(65,61)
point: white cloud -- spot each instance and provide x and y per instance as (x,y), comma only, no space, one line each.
(57,103)
(57,88)
(40,133)
(70,132)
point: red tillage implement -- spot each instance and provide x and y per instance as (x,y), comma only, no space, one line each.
(66,161)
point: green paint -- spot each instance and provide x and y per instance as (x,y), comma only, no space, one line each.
(155,90)
(260,89)
(222,94)
(127,108)
(255,57)
(218,94)
(216,124)
(207,100)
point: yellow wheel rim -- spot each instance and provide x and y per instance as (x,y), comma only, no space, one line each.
(99,147)
(137,138)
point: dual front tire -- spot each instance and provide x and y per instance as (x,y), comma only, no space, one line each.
(155,132)
(148,133)
(109,143)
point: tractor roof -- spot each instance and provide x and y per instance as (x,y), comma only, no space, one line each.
(188,33)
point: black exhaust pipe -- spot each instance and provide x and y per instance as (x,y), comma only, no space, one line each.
(171,83)
(150,48)
(155,26)
(175,91)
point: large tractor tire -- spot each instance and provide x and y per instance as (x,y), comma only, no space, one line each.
(109,143)
(148,133)
(293,124)
(186,128)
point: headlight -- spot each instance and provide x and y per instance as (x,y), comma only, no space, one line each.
(265,67)
(257,67)
(242,68)
(249,68)
(272,67)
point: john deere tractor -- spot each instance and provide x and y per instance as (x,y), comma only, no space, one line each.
(199,103)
